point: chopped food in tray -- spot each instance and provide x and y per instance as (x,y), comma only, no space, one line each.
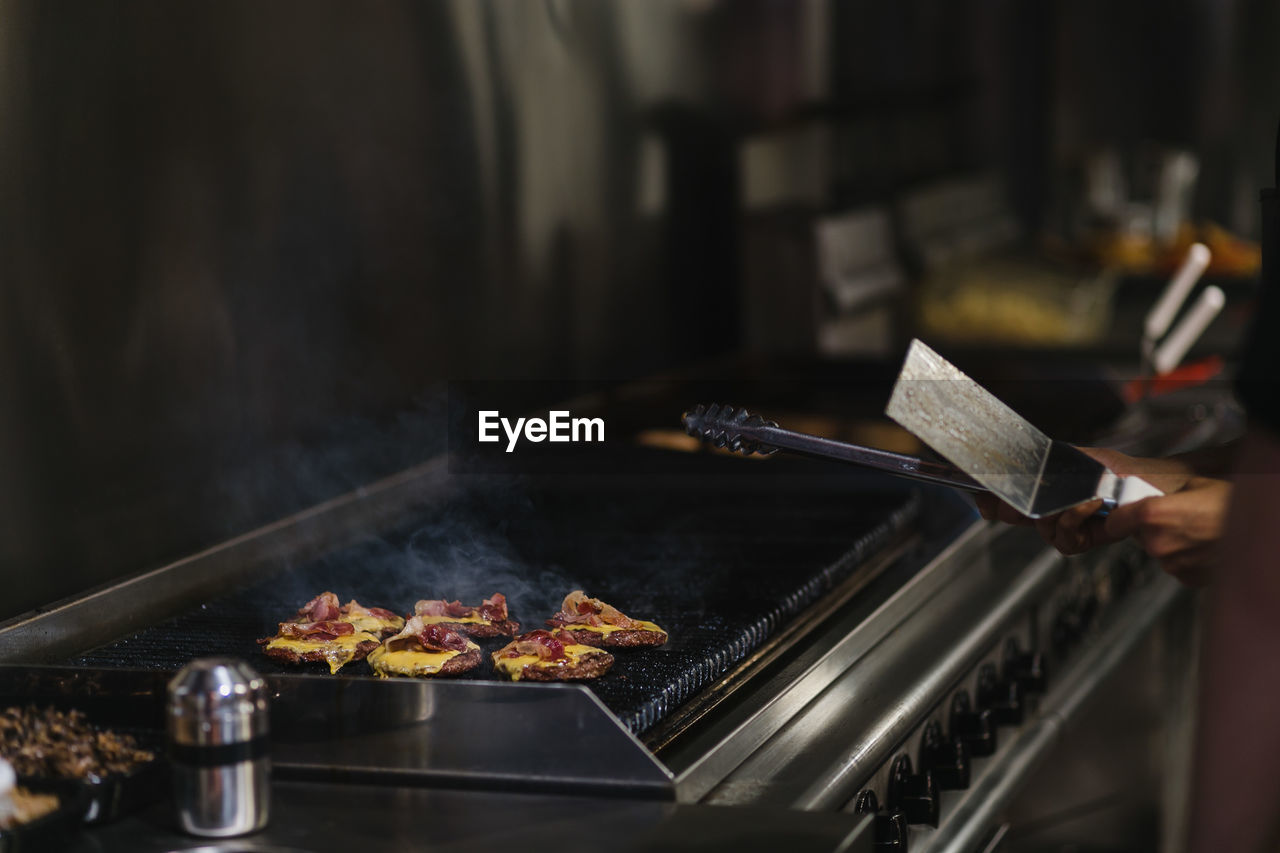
(593,623)
(324,631)
(63,744)
(99,773)
(424,649)
(489,619)
(550,656)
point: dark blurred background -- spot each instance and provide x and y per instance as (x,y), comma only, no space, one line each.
(245,245)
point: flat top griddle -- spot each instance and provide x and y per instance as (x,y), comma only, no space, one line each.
(722,560)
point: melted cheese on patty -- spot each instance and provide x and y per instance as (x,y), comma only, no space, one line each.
(410,661)
(640,625)
(436,620)
(373,624)
(337,652)
(513,667)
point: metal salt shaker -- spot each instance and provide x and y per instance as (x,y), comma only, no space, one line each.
(217,725)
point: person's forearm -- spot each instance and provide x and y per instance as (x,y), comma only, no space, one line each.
(1236,790)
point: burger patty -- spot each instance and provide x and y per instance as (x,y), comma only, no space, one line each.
(622,639)
(483,630)
(587,666)
(317,655)
(463,662)
(469,659)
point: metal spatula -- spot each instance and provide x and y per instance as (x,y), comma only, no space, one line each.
(969,427)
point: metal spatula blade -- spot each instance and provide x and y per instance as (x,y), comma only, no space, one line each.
(973,430)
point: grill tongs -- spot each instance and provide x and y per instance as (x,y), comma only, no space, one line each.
(994,449)
(742,432)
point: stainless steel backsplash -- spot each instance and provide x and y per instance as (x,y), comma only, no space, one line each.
(243,244)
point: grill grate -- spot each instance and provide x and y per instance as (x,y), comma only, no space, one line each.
(721,563)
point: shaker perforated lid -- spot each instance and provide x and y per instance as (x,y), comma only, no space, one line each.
(214,701)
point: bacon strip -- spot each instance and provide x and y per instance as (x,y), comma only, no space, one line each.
(436,607)
(578,609)
(324,630)
(494,608)
(434,637)
(355,608)
(442,638)
(544,644)
(429,608)
(323,608)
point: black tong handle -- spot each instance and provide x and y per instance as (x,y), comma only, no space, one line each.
(745,433)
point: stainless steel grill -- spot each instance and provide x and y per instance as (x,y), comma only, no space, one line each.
(820,622)
(725,566)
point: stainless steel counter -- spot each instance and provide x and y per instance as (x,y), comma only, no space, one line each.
(326,817)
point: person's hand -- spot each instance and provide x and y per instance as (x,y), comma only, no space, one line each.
(1079,529)
(1180,529)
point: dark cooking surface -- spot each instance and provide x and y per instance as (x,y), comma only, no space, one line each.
(721,561)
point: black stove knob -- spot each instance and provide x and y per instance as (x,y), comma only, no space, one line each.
(1026,668)
(1071,621)
(975,728)
(946,758)
(890,832)
(866,802)
(1087,608)
(913,794)
(1065,630)
(1124,572)
(1002,698)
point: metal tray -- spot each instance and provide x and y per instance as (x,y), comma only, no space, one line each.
(109,797)
(112,797)
(54,830)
